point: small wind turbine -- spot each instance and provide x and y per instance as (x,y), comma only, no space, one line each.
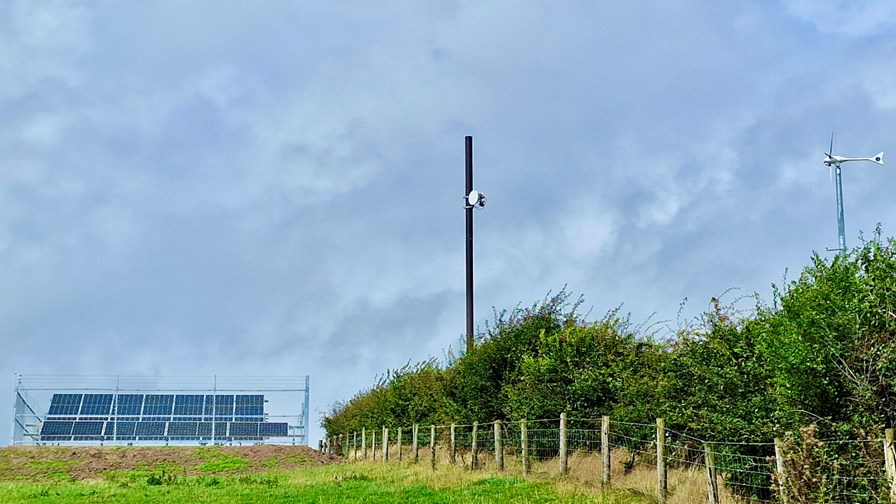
(831,160)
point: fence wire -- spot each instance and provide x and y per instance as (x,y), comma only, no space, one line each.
(834,471)
(837,471)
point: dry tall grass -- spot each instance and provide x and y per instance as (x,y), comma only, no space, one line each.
(685,485)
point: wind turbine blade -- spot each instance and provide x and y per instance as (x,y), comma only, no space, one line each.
(831,151)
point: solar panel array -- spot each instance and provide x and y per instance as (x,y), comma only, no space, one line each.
(158,417)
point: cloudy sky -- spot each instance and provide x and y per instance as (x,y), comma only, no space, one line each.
(275,188)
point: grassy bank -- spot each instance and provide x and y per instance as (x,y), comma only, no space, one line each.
(335,483)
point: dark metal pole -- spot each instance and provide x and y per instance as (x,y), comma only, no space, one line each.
(468,208)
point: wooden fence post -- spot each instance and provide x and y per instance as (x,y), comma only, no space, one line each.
(432,446)
(453,446)
(781,473)
(499,446)
(320,445)
(364,443)
(474,463)
(373,445)
(662,484)
(605,451)
(385,444)
(712,482)
(524,442)
(890,462)
(355,445)
(564,463)
(399,444)
(414,447)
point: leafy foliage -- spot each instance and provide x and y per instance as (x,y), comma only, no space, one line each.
(411,394)
(581,369)
(823,352)
(832,341)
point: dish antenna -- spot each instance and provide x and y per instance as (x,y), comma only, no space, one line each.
(476,198)
(833,163)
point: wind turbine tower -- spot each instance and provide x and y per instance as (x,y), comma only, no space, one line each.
(834,162)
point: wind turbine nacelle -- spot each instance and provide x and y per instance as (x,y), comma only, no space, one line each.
(836,160)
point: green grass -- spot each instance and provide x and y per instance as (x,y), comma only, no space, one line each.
(217,462)
(342,483)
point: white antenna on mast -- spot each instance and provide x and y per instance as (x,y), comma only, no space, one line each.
(833,163)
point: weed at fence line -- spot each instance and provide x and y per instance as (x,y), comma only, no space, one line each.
(832,471)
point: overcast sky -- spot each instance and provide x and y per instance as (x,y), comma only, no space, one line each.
(275,188)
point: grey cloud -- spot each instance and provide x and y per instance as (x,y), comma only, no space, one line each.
(269,188)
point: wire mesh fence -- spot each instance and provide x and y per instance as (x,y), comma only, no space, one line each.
(839,471)
(646,458)
(857,472)
(747,469)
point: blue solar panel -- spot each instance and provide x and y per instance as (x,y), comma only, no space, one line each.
(244,429)
(207,409)
(56,428)
(249,408)
(188,407)
(224,407)
(129,404)
(65,404)
(120,430)
(183,429)
(273,429)
(158,405)
(205,430)
(158,417)
(249,400)
(87,430)
(150,429)
(96,404)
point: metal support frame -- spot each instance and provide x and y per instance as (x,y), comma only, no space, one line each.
(306,408)
(15,410)
(841,223)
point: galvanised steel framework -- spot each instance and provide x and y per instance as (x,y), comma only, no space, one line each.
(136,410)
